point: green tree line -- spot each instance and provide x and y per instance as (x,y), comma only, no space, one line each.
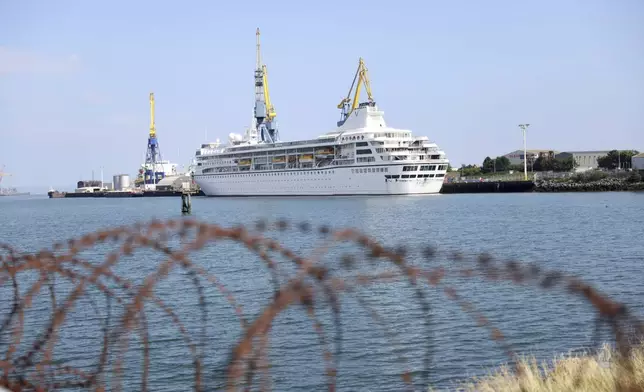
(546,162)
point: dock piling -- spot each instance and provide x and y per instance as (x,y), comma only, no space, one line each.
(186,203)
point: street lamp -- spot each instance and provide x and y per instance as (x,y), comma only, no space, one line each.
(525,151)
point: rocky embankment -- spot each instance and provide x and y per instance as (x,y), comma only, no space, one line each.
(603,185)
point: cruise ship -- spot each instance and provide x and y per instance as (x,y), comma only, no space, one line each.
(361,156)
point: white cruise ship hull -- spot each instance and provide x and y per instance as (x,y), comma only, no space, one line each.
(322,182)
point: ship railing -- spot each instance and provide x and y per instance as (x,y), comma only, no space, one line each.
(342,162)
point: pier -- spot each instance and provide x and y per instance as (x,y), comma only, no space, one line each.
(118,194)
(488,187)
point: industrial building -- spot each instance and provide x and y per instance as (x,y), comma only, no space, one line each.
(516,157)
(637,162)
(585,160)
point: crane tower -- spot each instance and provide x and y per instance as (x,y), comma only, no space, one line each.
(151,173)
(347,104)
(3,174)
(264,111)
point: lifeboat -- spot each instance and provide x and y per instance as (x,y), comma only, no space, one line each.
(279,159)
(306,157)
(244,162)
(324,151)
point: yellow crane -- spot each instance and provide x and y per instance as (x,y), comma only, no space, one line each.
(270,110)
(363,78)
(3,174)
(153,131)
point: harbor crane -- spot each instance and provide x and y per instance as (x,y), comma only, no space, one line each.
(3,174)
(347,105)
(264,110)
(153,154)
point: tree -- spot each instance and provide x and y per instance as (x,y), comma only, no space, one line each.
(488,165)
(502,163)
(498,164)
(613,159)
(548,162)
(470,171)
(542,163)
(563,165)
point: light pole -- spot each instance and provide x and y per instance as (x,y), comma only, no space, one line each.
(525,151)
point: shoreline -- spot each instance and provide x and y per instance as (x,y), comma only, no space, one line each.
(604,185)
(541,186)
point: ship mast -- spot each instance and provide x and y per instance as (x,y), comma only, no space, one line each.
(264,111)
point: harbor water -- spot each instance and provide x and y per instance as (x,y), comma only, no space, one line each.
(596,236)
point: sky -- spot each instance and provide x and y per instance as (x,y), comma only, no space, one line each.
(75,76)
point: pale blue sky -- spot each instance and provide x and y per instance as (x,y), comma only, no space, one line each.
(75,75)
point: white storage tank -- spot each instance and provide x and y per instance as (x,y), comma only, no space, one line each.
(121,182)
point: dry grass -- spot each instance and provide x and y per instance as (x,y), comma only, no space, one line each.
(604,371)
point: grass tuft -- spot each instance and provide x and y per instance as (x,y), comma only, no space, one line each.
(604,371)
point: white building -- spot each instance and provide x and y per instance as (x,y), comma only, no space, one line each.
(174,183)
(637,162)
(585,160)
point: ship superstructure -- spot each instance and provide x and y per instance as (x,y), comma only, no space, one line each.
(362,156)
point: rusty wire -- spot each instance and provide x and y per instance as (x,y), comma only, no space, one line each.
(37,368)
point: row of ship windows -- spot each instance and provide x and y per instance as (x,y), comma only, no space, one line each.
(380,134)
(425,168)
(288,173)
(371,170)
(415,176)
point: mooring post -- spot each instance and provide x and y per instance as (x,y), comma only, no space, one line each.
(186,203)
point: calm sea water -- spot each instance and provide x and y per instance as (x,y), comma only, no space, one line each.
(597,236)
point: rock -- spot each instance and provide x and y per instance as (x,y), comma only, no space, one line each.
(603,185)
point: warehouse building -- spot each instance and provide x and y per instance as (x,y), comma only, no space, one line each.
(637,162)
(516,157)
(586,160)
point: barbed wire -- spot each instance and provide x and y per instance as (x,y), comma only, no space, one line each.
(308,284)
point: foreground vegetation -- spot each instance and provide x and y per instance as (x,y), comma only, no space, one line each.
(600,372)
